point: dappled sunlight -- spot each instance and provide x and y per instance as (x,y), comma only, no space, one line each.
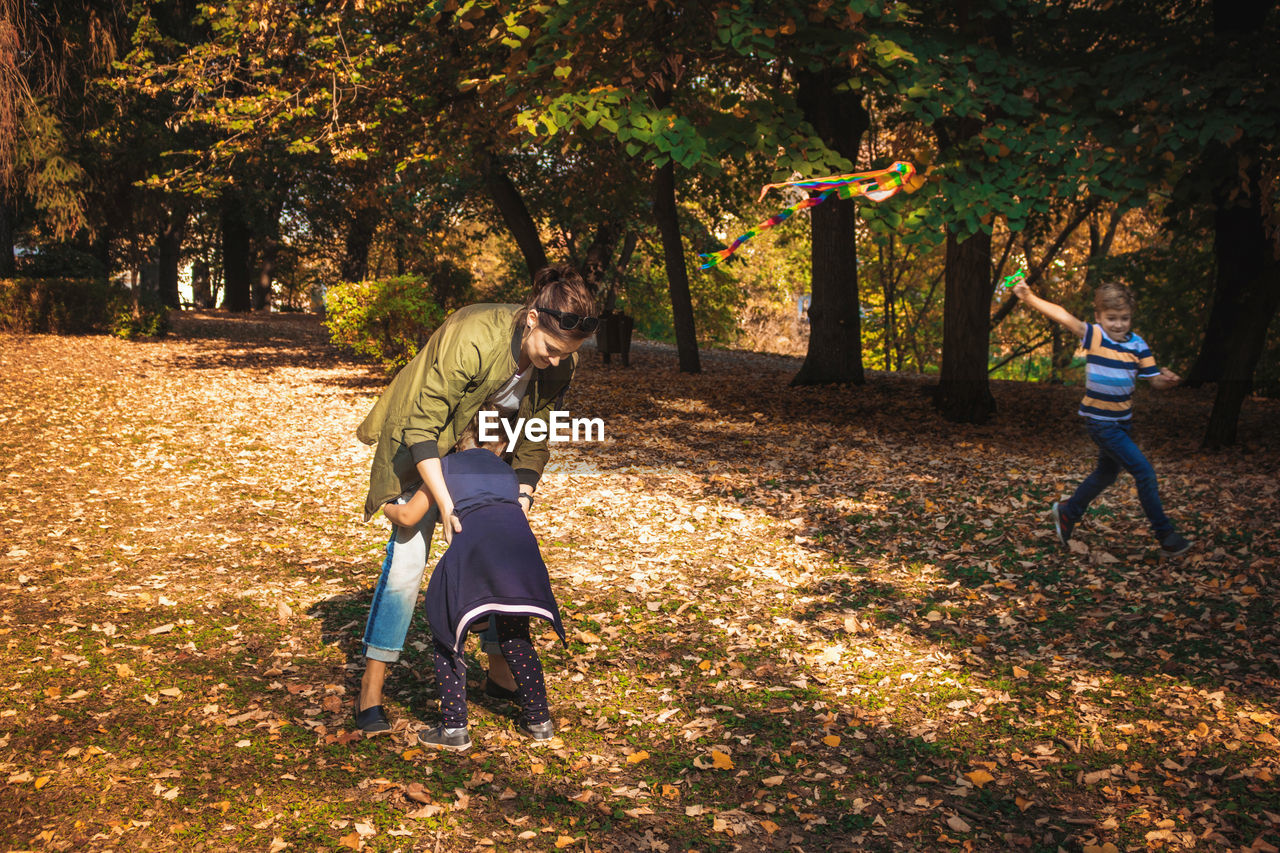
(831,630)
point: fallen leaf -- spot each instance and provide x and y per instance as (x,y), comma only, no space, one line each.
(979,777)
(637,757)
(830,740)
(958,824)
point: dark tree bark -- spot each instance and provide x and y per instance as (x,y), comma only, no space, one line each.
(515,213)
(8,260)
(236,255)
(964,393)
(598,258)
(173,229)
(268,249)
(1250,302)
(624,260)
(355,255)
(1247,271)
(1240,252)
(835,323)
(665,213)
(201,286)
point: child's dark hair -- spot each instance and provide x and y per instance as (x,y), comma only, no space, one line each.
(1113,296)
(560,287)
(469,438)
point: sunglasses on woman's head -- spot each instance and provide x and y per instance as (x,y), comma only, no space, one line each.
(570,321)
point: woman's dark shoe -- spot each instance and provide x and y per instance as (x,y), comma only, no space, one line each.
(372,720)
(442,738)
(494,690)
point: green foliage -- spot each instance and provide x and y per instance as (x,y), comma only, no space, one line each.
(56,305)
(145,317)
(386,320)
(61,260)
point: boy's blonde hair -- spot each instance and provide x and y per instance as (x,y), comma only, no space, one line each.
(1113,296)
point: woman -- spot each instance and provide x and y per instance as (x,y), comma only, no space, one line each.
(522,357)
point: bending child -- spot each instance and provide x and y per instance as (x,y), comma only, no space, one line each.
(1115,357)
(492,569)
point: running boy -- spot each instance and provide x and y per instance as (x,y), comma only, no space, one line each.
(491,570)
(1114,357)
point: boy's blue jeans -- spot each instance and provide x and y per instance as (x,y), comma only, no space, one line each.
(1118,452)
(397,592)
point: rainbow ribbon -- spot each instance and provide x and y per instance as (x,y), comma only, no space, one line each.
(876,185)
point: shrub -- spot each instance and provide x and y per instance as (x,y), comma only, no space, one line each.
(56,305)
(386,320)
(145,318)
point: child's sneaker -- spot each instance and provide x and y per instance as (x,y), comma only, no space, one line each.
(442,738)
(1061,523)
(1174,545)
(545,730)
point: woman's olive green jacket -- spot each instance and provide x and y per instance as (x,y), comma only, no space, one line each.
(434,397)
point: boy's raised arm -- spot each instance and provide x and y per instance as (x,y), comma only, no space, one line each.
(1052,310)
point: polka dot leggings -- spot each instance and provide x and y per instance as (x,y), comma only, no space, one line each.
(517,648)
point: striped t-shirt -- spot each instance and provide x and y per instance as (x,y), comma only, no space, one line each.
(1111,371)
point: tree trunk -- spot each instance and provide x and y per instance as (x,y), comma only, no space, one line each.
(624,260)
(835,323)
(1246,289)
(201,286)
(506,197)
(267,252)
(964,394)
(1251,302)
(236,272)
(355,256)
(1241,359)
(835,328)
(599,255)
(665,212)
(169,252)
(8,260)
(1239,255)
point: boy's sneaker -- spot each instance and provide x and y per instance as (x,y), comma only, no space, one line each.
(1061,523)
(545,730)
(442,738)
(1174,545)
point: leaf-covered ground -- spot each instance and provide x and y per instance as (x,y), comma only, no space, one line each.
(800,619)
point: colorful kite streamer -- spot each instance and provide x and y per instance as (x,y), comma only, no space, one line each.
(877,186)
(1011,280)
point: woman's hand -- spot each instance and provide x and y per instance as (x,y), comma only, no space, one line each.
(452,524)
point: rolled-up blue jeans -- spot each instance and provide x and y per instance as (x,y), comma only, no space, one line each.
(396,594)
(1119,452)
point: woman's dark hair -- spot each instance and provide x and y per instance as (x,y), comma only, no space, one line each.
(560,287)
